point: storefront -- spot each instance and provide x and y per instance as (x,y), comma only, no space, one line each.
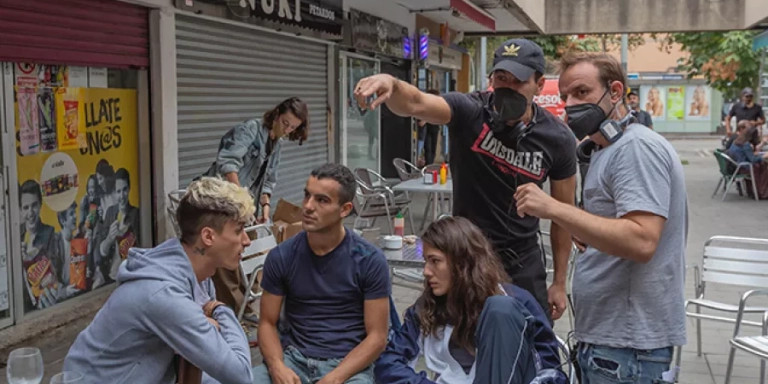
(678,105)
(74,113)
(236,60)
(441,67)
(372,139)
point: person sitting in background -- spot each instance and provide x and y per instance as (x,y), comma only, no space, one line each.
(742,149)
(153,314)
(469,323)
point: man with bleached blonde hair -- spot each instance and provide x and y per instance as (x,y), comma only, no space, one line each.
(156,311)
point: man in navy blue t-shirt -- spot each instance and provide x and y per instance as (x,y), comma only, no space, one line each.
(335,288)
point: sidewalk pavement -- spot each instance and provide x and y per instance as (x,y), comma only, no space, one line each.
(736,215)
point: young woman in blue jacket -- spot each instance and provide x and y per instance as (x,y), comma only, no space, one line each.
(470,325)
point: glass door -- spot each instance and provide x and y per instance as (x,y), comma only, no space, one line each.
(360,129)
(6,298)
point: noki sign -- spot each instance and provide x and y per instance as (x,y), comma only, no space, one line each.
(323,15)
(283,8)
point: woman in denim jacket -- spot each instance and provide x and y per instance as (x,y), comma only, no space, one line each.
(249,155)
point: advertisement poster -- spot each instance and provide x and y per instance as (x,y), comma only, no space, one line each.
(27,118)
(697,102)
(46,119)
(78,205)
(70,118)
(675,103)
(653,100)
(549,98)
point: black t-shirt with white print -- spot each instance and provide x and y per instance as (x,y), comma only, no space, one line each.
(487,169)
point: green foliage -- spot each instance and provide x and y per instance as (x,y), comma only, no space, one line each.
(555,46)
(725,59)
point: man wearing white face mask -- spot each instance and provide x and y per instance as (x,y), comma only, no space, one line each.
(628,284)
(500,140)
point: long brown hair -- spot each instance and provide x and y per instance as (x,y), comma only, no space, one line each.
(476,273)
(298,108)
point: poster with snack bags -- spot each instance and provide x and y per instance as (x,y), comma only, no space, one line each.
(70,118)
(71,195)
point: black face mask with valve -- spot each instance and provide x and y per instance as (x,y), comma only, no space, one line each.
(509,107)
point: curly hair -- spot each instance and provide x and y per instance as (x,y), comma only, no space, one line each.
(212,202)
(299,109)
(476,273)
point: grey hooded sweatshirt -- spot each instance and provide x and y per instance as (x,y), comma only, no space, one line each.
(151,316)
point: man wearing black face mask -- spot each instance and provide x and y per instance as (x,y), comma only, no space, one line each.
(628,283)
(500,140)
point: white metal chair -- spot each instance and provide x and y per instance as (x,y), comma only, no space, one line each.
(755,345)
(728,260)
(375,199)
(405,169)
(253,260)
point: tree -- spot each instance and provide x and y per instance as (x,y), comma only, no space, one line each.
(725,59)
(556,46)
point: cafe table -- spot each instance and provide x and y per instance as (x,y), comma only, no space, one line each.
(434,190)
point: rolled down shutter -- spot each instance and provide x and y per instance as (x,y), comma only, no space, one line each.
(104,33)
(228,74)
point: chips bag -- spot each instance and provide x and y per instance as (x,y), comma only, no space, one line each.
(125,243)
(77,263)
(40,276)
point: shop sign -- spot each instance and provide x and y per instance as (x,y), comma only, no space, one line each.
(549,98)
(373,34)
(443,57)
(320,15)
(75,148)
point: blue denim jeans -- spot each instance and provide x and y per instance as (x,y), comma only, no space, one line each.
(309,370)
(604,365)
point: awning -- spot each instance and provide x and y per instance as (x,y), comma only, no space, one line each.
(461,15)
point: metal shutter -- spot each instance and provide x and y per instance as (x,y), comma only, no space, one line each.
(103,33)
(228,74)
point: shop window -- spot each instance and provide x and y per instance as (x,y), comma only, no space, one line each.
(77,170)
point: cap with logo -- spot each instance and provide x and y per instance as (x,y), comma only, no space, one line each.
(520,57)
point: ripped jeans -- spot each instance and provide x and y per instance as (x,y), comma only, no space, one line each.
(604,365)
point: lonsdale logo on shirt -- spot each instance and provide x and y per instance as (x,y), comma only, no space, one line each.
(508,160)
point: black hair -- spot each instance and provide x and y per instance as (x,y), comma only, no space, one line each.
(31,187)
(60,214)
(342,175)
(122,174)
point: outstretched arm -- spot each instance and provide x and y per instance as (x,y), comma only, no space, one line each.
(402,98)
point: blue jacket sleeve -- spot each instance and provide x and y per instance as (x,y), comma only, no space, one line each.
(544,339)
(394,364)
(271,181)
(222,354)
(750,154)
(234,146)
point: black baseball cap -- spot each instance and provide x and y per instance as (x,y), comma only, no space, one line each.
(519,57)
